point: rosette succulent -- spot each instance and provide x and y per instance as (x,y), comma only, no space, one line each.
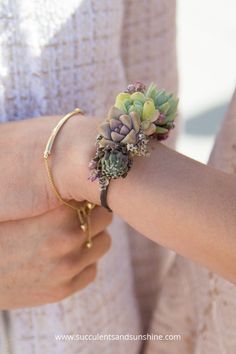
(115,164)
(156,109)
(120,128)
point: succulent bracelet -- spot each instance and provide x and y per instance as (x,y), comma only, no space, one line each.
(138,115)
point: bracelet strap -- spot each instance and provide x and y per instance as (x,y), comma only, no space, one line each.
(103,198)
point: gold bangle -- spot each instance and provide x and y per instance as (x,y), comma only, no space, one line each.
(83,212)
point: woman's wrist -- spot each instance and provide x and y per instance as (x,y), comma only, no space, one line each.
(73,151)
(139,115)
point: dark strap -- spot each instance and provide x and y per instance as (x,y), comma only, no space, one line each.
(103,198)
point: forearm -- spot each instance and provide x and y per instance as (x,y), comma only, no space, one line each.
(172,199)
(181,204)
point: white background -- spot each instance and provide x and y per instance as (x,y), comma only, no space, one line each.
(207,70)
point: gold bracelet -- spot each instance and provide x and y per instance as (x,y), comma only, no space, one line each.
(84,211)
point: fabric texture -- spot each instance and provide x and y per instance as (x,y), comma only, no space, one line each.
(57,55)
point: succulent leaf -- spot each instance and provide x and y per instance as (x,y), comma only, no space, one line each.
(161,130)
(152,91)
(164,107)
(113,124)
(136,121)
(138,96)
(148,127)
(130,138)
(131,108)
(114,112)
(127,105)
(105,142)
(120,100)
(137,107)
(126,120)
(124,130)
(145,124)
(104,130)
(155,116)
(116,137)
(150,130)
(161,98)
(148,109)
(173,105)
(171,117)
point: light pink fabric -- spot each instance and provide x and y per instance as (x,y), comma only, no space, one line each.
(54,56)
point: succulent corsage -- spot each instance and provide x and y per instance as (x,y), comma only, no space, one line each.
(138,115)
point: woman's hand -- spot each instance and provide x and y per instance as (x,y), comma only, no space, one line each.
(25,190)
(43,259)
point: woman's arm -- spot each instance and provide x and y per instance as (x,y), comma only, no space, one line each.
(183,205)
(172,199)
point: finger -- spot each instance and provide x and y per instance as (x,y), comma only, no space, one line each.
(64,242)
(88,256)
(83,279)
(99,220)
(76,262)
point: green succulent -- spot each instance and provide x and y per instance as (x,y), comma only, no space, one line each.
(156,108)
(167,105)
(164,102)
(149,116)
(138,113)
(115,164)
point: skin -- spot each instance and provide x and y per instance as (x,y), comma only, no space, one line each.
(43,257)
(189,208)
(174,200)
